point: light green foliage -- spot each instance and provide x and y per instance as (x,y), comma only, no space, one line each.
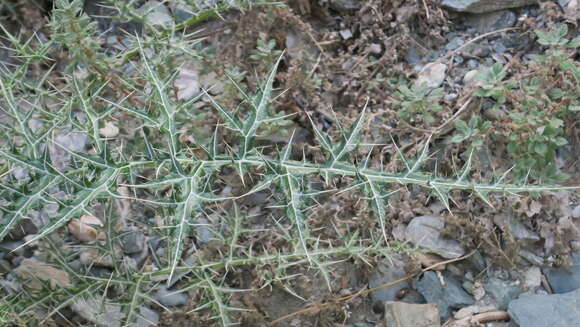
(418,103)
(538,105)
(179,181)
(473,131)
(265,51)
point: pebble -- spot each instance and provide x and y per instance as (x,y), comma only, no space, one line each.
(97,312)
(425,232)
(532,278)
(133,241)
(502,291)
(484,6)
(564,279)
(389,270)
(449,297)
(432,75)
(169,298)
(576,212)
(541,310)
(203,231)
(147,317)
(493,21)
(402,314)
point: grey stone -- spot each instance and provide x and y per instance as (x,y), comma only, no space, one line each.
(447,297)
(203,231)
(387,271)
(455,43)
(492,21)
(147,318)
(432,75)
(502,292)
(345,5)
(532,257)
(483,6)
(425,232)
(133,241)
(400,314)
(542,310)
(576,212)
(472,63)
(99,313)
(564,279)
(516,228)
(499,47)
(169,298)
(156,13)
(345,34)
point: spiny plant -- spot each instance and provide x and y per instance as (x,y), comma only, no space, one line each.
(54,154)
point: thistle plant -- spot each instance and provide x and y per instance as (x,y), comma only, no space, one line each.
(41,166)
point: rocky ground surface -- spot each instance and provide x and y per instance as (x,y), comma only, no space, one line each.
(516,265)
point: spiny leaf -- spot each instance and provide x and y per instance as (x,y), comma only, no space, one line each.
(350,139)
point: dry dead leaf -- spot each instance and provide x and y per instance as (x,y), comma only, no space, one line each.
(36,271)
(82,228)
(109,131)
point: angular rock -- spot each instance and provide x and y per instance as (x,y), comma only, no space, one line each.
(432,75)
(169,298)
(564,279)
(425,232)
(147,318)
(483,6)
(541,310)
(502,292)
(492,21)
(387,271)
(99,313)
(401,314)
(133,241)
(516,228)
(448,297)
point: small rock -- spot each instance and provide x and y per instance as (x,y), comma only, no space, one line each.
(499,47)
(345,5)
(564,279)
(170,298)
(99,313)
(532,278)
(576,212)
(156,13)
(483,6)
(455,43)
(532,258)
(447,297)
(375,48)
(389,270)
(432,75)
(147,317)
(109,131)
(345,34)
(469,77)
(401,314)
(425,232)
(203,231)
(544,310)
(187,84)
(502,292)
(20,173)
(515,227)
(133,241)
(492,21)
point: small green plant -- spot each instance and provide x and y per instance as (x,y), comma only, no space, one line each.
(536,107)
(419,103)
(473,131)
(265,51)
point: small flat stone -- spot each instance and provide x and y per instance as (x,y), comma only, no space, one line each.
(401,314)
(564,279)
(425,232)
(541,310)
(483,6)
(448,297)
(432,75)
(502,291)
